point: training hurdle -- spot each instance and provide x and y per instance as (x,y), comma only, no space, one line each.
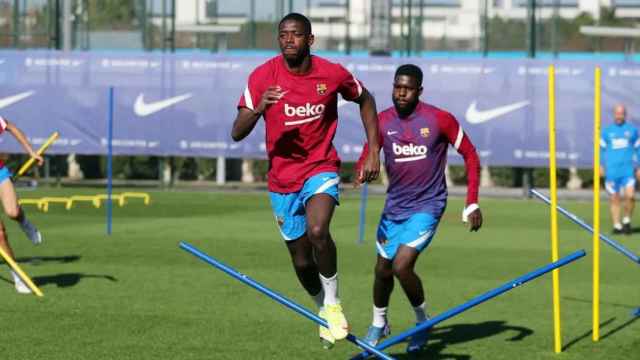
(114,198)
(140,195)
(274,295)
(86,198)
(576,220)
(36,202)
(13,265)
(475,301)
(61,200)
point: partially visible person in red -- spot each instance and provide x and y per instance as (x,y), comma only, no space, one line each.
(297,93)
(10,202)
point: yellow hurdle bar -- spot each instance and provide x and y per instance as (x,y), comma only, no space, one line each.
(114,198)
(36,202)
(596,204)
(88,198)
(554,212)
(21,273)
(46,200)
(41,150)
(144,196)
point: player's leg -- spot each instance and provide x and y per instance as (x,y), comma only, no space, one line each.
(306,269)
(319,209)
(21,287)
(417,234)
(382,288)
(628,204)
(614,204)
(289,213)
(386,246)
(13,210)
(320,196)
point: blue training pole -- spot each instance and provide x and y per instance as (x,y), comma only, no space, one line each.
(475,301)
(364,194)
(110,162)
(614,244)
(274,295)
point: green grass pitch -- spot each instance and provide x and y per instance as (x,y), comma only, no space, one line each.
(136,295)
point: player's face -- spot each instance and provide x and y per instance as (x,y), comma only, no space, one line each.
(620,113)
(406,94)
(293,40)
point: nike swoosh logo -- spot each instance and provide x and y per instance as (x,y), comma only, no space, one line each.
(15,98)
(475,116)
(390,132)
(142,108)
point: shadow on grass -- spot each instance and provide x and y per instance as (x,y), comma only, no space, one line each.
(36,260)
(586,335)
(68,279)
(441,337)
(619,327)
(589,301)
(62,280)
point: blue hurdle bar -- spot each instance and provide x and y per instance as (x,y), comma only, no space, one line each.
(475,301)
(275,296)
(614,244)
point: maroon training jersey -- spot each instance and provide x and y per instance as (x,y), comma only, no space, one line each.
(415,155)
(301,126)
(3,127)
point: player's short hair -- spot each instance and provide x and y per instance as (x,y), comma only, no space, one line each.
(410,70)
(306,24)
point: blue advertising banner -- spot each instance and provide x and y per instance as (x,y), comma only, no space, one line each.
(184,105)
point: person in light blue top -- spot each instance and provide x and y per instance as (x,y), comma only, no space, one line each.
(619,145)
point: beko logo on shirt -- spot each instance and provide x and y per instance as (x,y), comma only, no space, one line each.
(314,112)
(621,143)
(411,152)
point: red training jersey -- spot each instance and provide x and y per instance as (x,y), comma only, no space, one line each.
(301,126)
(3,127)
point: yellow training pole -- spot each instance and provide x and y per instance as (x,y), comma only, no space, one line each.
(27,165)
(20,273)
(554,212)
(596,205)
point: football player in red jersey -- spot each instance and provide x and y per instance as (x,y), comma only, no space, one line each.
(415,137)
(297,93)
(10,201)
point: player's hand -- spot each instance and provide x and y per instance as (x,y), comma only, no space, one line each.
(475,220)
(357,180)
(270,97)
(371,169)
(38,158)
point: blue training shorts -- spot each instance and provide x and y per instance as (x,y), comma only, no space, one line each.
(289,208)
(618,184)
(416,232)
(5,174)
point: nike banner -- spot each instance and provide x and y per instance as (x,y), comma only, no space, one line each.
(185,104)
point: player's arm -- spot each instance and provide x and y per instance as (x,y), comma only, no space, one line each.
(359,173)
(248,115)
(352,90)
(371,167)
(461,142)
(22,139)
